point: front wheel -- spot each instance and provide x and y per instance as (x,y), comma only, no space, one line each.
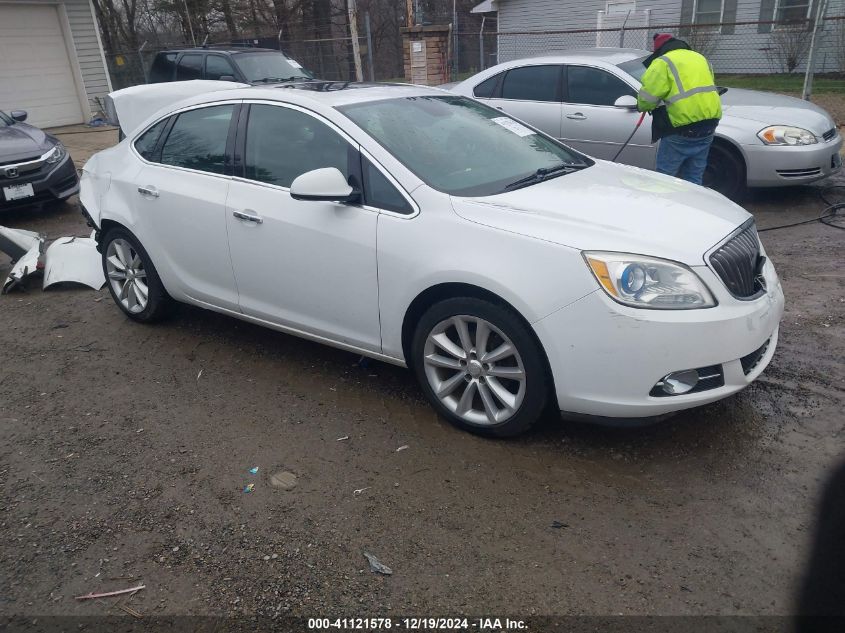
(132,279)
(480,367)
(725,172)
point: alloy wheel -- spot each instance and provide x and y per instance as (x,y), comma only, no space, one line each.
(475,370)
(127,276)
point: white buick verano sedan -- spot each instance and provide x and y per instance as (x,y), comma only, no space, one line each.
(426,229)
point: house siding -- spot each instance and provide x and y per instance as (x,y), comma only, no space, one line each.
(86,45)
(741,52)
(89,51)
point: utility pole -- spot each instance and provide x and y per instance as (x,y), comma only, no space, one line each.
(811,57)
(190,24)
(353,32)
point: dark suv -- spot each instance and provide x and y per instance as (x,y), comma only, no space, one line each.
(245,65)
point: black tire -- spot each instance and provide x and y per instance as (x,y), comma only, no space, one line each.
(725,172)
(537,382)
(159,303)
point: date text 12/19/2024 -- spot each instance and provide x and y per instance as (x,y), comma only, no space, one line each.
(491,625)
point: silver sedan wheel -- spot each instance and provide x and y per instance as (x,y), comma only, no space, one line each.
(127,276)
(474,370)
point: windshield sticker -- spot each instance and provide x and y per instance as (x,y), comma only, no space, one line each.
(509,124)
(294,63)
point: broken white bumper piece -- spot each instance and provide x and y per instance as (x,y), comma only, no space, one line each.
(24,248)
(74,260)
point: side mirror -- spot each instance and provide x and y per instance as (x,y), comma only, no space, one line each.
(226,78)
(627,102)
(323,185)
(19,115)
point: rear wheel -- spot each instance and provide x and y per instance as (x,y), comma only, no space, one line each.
(725,171)
(132,279)
(480,367)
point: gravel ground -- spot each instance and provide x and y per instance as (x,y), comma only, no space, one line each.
(126,448)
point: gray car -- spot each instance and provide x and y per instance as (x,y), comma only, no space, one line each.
(34,166)
(587,99)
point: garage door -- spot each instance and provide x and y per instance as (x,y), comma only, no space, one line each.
(35,73)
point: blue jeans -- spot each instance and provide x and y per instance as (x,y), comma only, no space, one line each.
(683,156)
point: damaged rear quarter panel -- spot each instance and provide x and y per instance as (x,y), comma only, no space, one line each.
(107,186)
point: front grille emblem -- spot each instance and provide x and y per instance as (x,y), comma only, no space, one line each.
(11,172)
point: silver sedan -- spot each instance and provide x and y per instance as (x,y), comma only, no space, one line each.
(586,98)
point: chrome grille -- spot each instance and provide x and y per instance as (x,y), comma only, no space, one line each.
(829,134)
(738,263)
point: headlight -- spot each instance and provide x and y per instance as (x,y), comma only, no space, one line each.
(648,282)
(58,153)
(786,135)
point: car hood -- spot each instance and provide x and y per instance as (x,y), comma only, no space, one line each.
(768,108)
(613,207)
(21,141)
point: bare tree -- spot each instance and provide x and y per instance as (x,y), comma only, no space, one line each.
(789,47)
(703,38)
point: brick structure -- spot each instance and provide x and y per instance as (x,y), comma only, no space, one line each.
(427,52)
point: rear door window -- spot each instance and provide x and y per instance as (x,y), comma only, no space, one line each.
(485,89)
(189,67)
(532,83)
(217,66)
(163,67)
(198,139)
(147,142)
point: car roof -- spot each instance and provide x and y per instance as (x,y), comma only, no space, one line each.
(221,49)
(327,93)
(608,54)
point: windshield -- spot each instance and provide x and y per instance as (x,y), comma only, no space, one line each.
(457,145)
(261,66)
(5,119)
(634,67)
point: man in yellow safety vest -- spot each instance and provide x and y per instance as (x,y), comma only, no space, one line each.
(679,90)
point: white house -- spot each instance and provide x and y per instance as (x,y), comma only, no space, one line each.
(52,60)
(743,43)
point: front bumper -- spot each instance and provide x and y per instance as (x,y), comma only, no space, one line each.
(57,183)
(778,166)
(607,358)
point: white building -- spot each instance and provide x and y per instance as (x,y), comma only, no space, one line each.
(52,60)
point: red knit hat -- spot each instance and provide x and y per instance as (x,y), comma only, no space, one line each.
(660,39)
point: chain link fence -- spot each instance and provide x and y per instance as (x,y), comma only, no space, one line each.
(733,48)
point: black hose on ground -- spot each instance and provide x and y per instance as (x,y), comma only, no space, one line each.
(828,215)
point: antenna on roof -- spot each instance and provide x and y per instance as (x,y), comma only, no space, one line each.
(205,41)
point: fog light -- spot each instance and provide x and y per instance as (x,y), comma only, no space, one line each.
(679,382)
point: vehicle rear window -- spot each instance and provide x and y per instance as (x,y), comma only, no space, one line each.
(198,139)
(190,67)
(162,68)
(532,83)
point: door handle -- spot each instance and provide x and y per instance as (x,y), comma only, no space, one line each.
(576,117)
(500,108)
(248,215)
(149,191)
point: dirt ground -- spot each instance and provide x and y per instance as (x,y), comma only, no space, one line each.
(126,448)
